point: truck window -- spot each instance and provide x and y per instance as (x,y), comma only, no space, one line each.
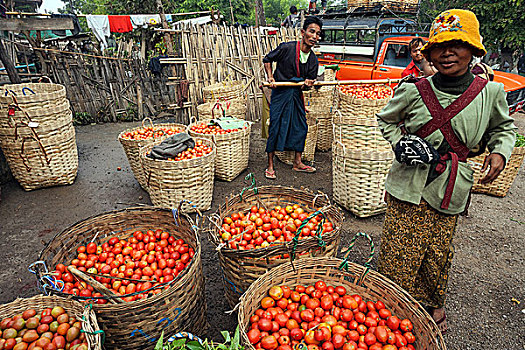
(397,55)
(338,36)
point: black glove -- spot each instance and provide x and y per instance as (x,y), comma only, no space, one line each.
(413,150)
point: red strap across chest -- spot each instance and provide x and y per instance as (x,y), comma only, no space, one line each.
(297,58)
(441,118)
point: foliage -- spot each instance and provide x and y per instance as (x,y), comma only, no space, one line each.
(501,21)
(277,10)
(183,344)
(520,140)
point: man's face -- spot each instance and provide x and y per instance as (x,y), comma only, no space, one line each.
(311,34)
(416,54)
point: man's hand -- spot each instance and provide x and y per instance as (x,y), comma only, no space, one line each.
(309,82)
(272,82)
(496,163)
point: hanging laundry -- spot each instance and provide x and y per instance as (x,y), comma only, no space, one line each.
(99,25)
(76,25)
(120,24)
(144,20)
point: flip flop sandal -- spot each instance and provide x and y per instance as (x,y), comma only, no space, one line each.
(306,169)
(270,174)
(440,323)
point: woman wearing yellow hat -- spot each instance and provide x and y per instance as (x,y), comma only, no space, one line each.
(433,125)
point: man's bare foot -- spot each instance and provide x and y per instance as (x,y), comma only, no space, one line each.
(440,317)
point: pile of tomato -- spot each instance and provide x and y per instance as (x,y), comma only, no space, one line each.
(151,132)
(262,228)
(136,265)
(367,91)
(50,329)
(327,318)
(204,128)
(199,150)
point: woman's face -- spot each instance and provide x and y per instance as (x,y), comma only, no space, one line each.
(451,58)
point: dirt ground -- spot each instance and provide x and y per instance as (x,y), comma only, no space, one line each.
(486,299)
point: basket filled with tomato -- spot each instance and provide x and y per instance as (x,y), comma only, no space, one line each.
(48,322)
(139,268)
(264,227)
(133,139)
(329,303)
(187,175)
(363,99)
(233,147)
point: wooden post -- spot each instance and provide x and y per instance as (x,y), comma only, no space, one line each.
(259,13)
(8,64)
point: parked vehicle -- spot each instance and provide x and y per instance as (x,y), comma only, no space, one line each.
(377,48)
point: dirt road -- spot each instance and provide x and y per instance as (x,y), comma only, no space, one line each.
(487,275)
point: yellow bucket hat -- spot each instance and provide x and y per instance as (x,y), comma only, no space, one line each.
(455,25)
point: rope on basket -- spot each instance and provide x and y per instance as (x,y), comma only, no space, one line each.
(344,263)
(320,242)
(186,335)
(48,278)
(175,212)
(100,331)
(253,186)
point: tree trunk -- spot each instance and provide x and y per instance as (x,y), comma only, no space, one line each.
(8,64)
(259,13)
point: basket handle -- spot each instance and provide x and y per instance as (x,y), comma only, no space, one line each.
(319,237)
(194,223)
(145,120)
(193,119)
(253,186)
(217,106)
(344,263)
(26,88)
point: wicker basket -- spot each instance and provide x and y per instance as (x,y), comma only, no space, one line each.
(132,148)
(310,142)
(359,132)
(499,187)
(136,324)
(233,151)
(352,106)
(169,182)
(72,307)
(227,90)
(356,279)
(235,108)
(38,141)
(319,101)
(359,179)
(320,105)
(242,267)
(352,4)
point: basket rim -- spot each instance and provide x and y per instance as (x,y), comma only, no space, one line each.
(151,299)
(121,138)
(334,262)
(144,149)
(231,135)
(268,251)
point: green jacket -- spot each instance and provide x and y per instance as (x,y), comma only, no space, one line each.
(487,114)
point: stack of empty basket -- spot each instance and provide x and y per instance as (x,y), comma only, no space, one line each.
(361,157)
(319,103)
(228,97)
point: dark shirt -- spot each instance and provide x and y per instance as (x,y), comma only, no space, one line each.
(285,55)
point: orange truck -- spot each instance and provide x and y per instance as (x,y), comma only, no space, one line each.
(377,48)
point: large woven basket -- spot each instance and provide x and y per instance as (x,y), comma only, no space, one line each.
(324,131)
(233,151)
(170,182)
(319,100)
(499,187)
(227,90)
(359,179)
(310,142)
(38,140)
(242,267)
(356,279)
(135,325)
(81,312)
(359,132)
(132,148)
(352,106)
(235,107)
(320,106)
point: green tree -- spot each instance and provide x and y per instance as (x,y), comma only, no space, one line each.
(502,22)
(277,10)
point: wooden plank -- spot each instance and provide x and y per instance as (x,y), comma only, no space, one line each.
(19,24)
